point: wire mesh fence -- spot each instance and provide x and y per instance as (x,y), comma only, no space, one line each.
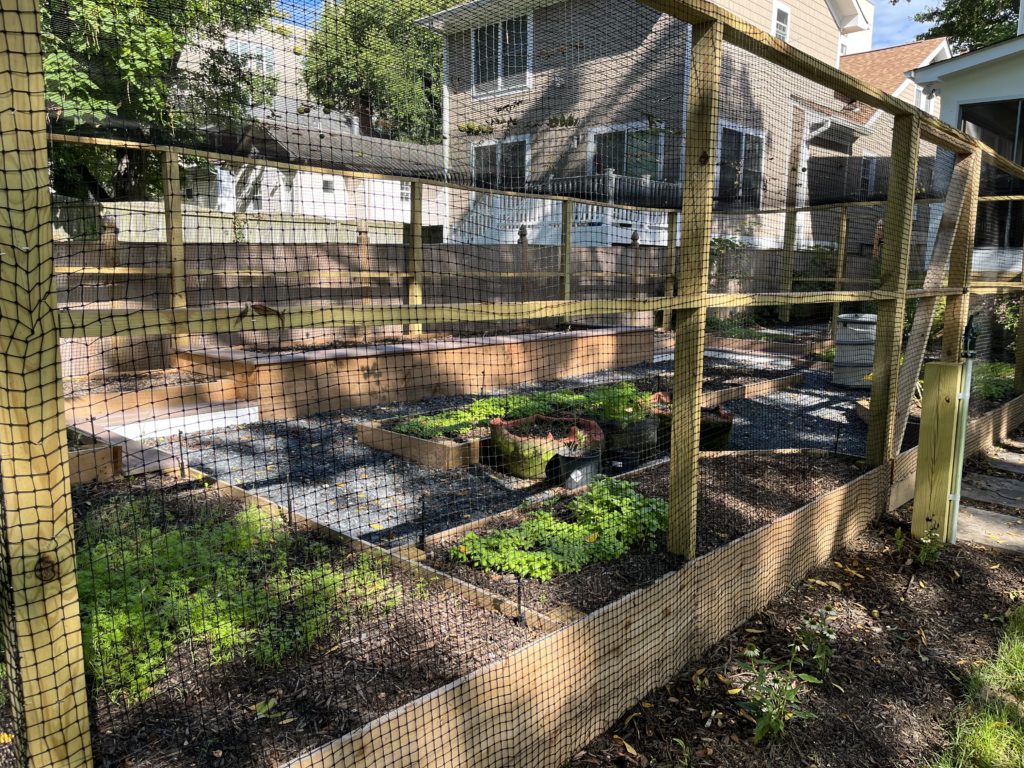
(381,376)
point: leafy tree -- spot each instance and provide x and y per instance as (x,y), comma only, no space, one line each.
(970,24)
(145,65)
(368,56)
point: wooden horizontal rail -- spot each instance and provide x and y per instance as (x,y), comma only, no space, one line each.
(130,271)
(923,293)
(92,321)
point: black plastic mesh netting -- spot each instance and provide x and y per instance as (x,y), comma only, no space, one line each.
(412,382)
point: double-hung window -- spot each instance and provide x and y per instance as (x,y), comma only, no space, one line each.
(781,16)
(501,56)
(259,58)
(501,165)
(628,152)
(868,184)
(740,169)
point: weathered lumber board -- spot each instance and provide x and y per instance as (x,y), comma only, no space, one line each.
(94,463)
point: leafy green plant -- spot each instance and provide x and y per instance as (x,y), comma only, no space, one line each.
(929,549)
(228,586)
(816,637)
(900,540)
(772,692)
(992,381)
(610,519)
(620,403)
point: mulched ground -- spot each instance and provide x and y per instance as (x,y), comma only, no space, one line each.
(135,382)
(738,493)
(205,715)
(908,638)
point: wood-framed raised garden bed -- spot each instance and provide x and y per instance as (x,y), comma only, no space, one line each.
(91,461)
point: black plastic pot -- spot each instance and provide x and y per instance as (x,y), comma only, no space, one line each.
(628,447)
(577,471)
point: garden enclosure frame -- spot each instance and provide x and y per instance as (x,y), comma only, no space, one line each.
(40,611)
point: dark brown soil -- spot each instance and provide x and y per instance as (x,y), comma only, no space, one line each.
(738,493)
(135,382)
(908,638)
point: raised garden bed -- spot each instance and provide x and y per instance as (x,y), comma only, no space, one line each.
(739,492)
(301,383)
(91,461)
(456,438)
(298,638)
(101,397)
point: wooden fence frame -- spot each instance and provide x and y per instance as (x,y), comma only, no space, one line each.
(544,708)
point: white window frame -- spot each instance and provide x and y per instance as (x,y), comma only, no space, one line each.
(593,133)
(254,55)
(502,89)
(872,175)
(498,142)
(776,7)
(746,131)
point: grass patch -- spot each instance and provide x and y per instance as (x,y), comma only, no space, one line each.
(620,404)
(736,327)
(224,586)
(992,381)
(990,725)
(609,519)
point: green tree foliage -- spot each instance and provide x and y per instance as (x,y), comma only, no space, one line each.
(970,24)
(145,65)
(368,56)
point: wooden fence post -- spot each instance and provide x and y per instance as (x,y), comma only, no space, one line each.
(566,253)
(841,236)
(960,263)
(175,233)
(898,228)
(415,257)
(671,265)
(524,264)
(42,628)
(936,449)
(698,193)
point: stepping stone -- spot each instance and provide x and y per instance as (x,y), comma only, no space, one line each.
(991,529)
(993,490)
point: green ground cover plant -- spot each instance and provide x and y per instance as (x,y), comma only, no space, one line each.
(225,585)
(607,521)
(621,403)
(992,381)
(989,730)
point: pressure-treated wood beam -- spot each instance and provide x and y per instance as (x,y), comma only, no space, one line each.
(698,196)
(898,230)
(961,257)
(43,639)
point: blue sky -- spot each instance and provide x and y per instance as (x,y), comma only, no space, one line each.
(894,24)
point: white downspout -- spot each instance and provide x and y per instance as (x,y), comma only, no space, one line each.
(1020,18)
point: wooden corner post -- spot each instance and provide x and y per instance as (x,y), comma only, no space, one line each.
(42,628)
(898,228)
(842,230)
(961,260)
(175,233)
(695,252)
(935,456)
(565,268)
(415,256)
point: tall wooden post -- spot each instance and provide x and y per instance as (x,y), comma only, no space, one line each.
(960,261)
(841,236)
(415,257)
(175,233)
(42,632)
(671,265)
(524,264)
(935,456)
(898,228)
(698,192)
(789,229)
(566,253)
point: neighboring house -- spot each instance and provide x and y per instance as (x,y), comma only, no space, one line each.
(588,98)
(292,128)
(982,93)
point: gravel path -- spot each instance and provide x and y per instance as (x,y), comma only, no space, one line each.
(316,467)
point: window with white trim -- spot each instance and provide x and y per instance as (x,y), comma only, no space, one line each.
(259,58)
(628,151)
(868,183)
(740,169)
(501,55)
(501,165)
(925,99)
(781,18)
(405,191)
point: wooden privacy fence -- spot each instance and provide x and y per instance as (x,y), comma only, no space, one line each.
(537,707)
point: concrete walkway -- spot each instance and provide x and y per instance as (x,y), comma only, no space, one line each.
(998,526)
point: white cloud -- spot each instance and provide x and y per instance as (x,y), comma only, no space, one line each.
(895,25)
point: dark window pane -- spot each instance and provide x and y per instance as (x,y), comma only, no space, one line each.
(485,166)
(752,152)
(513,165)
(610,152)
(643,150)
(515,51)
(485,55)
(730,166)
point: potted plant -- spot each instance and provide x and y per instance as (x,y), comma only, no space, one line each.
(579,461)
(630,425)
(715,423)
(527,446)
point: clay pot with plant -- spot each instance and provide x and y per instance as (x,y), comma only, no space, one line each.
(527,447)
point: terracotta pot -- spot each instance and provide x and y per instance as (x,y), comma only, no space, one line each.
(528,456)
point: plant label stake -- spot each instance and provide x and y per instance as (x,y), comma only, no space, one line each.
(423,520)
(521,618)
